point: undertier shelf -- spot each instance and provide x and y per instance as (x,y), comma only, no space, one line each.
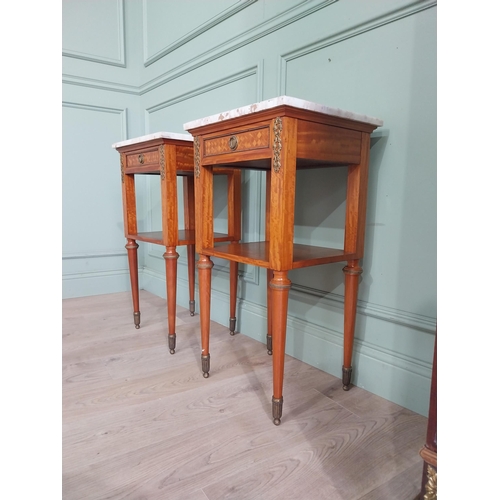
(186,237)
(257,254)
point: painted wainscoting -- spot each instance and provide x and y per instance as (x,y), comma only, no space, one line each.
(162,64)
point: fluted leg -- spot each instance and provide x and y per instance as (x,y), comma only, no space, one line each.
(132,247)
(269,314)
(280,287)
(205,283)
(352,272)
(171,257)
(191,266)
(233,290)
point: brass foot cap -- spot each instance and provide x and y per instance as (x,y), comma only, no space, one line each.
(137,319)
(277,421)
(232,325)
(205,374)
(269,340)
(346,377)
(172,351)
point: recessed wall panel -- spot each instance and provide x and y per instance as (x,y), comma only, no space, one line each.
(94,30)
(170,24)
(388,72)
(91,186)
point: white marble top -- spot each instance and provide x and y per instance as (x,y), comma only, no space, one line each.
(156,135)
(278,101)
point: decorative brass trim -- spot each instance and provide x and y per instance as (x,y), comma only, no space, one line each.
(277,410)
(137,320)
(431,484)
(233,143)
(346,378)
(232,325)
(278,127)
(141,158)
(122,166)
(161,149)
(171,343)
(196,156)
(205,365)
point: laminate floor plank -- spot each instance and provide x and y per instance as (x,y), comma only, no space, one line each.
(140,423)
(210,403)
(402,486)
(353,456)
(129,390)
(84,373)
(357,400)
(192,460)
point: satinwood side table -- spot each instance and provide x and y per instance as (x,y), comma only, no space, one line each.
(170,155)
(280,136)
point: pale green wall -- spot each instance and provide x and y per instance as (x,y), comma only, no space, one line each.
(133,67)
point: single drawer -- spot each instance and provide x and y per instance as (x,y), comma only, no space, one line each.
(242,140)
(143,159)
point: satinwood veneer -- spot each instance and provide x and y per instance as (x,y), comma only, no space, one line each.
(280,136)
(170,155)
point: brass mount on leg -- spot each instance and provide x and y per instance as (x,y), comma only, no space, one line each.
(269,344)
(232,325)
(191,307)
(137,320)
(346,378)
(277,410)
(205,365)
(171,343)
(431,484)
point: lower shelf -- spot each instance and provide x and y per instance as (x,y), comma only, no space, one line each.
(257,254)
(186,237)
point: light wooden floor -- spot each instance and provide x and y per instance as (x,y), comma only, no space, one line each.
(140,423)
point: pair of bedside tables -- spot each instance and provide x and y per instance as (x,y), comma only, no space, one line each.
(278,136)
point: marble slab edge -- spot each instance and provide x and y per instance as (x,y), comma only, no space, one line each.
(156,135)
(279,101)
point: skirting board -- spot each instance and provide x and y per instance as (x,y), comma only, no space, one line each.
(404,382)
(96,283)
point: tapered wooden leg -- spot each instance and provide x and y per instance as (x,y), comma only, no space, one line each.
(280,286)
(352,272)
(191,266)
(269,314)
(233,290)
(171,257)
(132,247)
(205,283)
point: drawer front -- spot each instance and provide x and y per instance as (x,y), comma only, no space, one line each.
(244,140)
(143,159)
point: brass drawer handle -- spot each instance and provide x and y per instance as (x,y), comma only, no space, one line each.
(141,159)
(233,143)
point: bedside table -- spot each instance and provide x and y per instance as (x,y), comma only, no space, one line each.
(170,155)
(279,136)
